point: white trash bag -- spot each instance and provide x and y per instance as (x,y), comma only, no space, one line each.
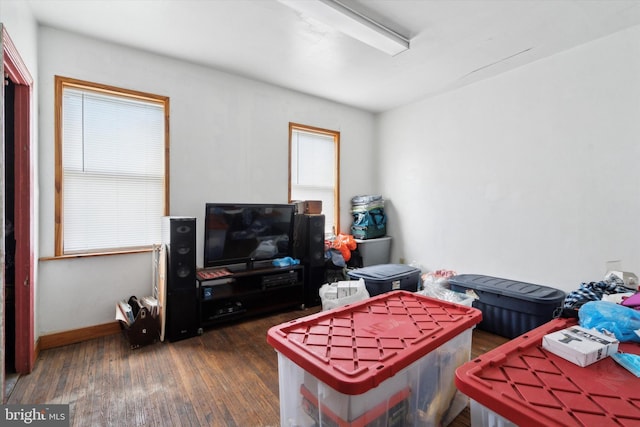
(341,293)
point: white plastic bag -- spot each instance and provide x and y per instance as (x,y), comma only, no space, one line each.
(443,294)
(438,277)
(329,294)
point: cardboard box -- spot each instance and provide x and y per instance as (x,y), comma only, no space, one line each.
(313,207)
(308,207)
(580,345)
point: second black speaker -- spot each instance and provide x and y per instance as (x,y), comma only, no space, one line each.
(308,239)
(308,247)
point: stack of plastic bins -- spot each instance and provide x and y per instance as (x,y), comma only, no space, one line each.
(520,383)
(385,361)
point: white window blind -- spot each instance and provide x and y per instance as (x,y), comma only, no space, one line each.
(113,171)
(313,171)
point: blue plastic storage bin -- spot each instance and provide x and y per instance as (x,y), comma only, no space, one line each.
(387,277)
(509,308)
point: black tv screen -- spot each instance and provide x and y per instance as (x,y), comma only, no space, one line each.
(242,233)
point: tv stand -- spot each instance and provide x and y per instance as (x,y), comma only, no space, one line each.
(248,292)
(242,267)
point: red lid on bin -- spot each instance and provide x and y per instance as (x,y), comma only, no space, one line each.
(522,382)
(356,347)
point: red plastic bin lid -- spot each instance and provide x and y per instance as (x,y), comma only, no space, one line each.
(527,385)
(356,347)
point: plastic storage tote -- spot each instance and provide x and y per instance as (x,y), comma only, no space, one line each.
(520,383)
(385,361)
(374,251)
(509,308)
(387,277)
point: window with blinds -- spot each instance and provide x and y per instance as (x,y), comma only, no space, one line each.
(314,170)
(111,184)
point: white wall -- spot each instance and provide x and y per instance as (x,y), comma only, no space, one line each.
(21,26)
(532,175)
(229,143)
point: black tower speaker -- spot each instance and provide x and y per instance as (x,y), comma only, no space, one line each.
(308,247)
(308,239)
(179,237)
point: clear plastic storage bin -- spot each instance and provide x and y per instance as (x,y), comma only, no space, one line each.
(522,384)
(389,360)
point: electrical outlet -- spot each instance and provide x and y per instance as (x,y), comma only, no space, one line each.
(615,265)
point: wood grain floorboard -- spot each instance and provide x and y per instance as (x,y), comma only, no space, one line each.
(228,376)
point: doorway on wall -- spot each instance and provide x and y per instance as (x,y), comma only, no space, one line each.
(17,207)
(11,374)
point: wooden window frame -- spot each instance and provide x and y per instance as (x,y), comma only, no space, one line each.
(336,185)
(66,82)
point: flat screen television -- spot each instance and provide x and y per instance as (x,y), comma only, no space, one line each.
(242,233)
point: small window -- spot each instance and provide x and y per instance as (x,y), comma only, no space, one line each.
(111,168)
(314,172)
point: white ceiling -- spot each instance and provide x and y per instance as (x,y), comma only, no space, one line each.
(453,43)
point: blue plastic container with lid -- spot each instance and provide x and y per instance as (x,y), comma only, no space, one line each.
(383,278)
(509,307)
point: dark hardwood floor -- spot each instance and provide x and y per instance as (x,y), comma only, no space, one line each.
(228,376)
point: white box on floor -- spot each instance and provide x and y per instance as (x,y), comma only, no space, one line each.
(346,288)
(580,345)
(388,360)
